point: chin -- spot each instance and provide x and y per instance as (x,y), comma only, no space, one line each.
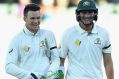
(88,23)
(35,29)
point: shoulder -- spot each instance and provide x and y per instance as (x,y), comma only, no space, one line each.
(17,37)
(101,29)
(46,32)
(70,30)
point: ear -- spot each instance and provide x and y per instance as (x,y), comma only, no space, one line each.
(76,12)
(24,18)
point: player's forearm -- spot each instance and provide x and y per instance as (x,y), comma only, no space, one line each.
(108,64)
(12,69)
(62,60)
(109,72)
(55,63)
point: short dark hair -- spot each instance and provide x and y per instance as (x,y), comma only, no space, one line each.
(31,7)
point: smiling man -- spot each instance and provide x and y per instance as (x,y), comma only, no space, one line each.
(85,45)
(33,52)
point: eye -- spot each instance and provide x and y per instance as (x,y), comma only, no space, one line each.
(89,12)
(32,18)
(38,17)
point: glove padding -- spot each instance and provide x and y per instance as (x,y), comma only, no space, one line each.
(35,77)
(57,75)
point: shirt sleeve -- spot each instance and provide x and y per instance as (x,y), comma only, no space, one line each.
(107,45)
(12,60)
(64,47)
(55,60)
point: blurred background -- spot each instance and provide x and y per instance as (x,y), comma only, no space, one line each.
(56,15)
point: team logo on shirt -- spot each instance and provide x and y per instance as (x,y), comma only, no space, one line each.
(97,41)
(77,42)
(26,48)
(42,43)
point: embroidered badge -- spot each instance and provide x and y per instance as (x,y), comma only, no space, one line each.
(42,43)
(86,3)
(26,48)
(97,41)
(78,42)
(10,50)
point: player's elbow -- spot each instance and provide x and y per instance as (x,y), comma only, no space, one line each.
(7,69)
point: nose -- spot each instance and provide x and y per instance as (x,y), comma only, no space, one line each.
(87,15)
(36,20)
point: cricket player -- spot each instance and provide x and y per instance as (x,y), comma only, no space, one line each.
(85,45)
(32,53)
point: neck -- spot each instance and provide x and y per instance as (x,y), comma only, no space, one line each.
(86,27)
(31,30)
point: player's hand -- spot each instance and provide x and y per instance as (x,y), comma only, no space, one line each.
(59,74)
(42,77)
(56,75)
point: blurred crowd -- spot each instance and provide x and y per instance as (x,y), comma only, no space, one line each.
(55,5)
(57,14)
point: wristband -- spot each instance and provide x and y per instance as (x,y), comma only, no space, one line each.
(62,68)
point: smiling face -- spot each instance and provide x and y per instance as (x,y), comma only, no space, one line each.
(32,21)
(87,17)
